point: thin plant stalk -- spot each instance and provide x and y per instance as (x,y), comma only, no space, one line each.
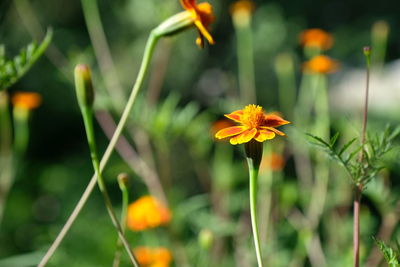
(359,187)
(125,201)
(6,168)
(87,114)
(21,130)
(244,38)
(151,43)
(322,164)
(379,38)
(97,36)
(356,226)
(265,181)
(319,96)
(253,175)
(284,68)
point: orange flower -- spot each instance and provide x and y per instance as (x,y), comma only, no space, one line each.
(153,257)
(316,38)
(254,124)
(273,161)
(26,100)
(321,64)
(203,16)
(147,212)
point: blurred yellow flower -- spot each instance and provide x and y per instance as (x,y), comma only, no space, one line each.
(254,125)
(153,257)
(26,100)
(316,38)
(321,64)
(147,212)
(203,16)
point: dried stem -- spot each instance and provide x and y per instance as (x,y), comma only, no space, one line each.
(359,186)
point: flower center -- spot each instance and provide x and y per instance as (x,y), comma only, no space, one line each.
(253,116)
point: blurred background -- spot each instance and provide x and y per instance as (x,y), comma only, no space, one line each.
(171,129)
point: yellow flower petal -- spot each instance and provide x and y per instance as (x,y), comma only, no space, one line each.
(247,136)
(263,135)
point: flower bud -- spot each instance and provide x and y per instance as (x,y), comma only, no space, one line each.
(123,180)
(84,86)
(174,24)
(206,238)
(367,51)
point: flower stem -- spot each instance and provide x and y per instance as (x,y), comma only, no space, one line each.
(151,43)
(356,226)
(21,132)
(253,173)
(102,51)
(359,186)
(6,162)
(245,58)
(125,201)
(367,53)
(87,114)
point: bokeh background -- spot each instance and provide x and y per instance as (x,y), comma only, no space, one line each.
(186,91)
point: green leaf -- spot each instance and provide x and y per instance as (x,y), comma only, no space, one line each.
(334,139)
(319,140)
(14,69)
(391,256)
(346,146)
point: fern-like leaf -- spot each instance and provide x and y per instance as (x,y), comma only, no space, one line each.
(391,256)
(13,69)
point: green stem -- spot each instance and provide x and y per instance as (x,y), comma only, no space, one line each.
(151,43)
(253,174)
(6,168)
(379,39)
(284,68)
(87,114)
(21,130)
(96,32)
(245,60)
(125,201)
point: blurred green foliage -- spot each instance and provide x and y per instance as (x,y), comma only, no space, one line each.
(205,181)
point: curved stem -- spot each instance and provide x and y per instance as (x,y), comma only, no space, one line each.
(253,174)
(151,43)
(87,114)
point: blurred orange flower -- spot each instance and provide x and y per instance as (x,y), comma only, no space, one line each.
(321,64)
(254,125)
(153,257)
(203,16)
(273,161)
(26,100)
(147,212)
(316,38)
